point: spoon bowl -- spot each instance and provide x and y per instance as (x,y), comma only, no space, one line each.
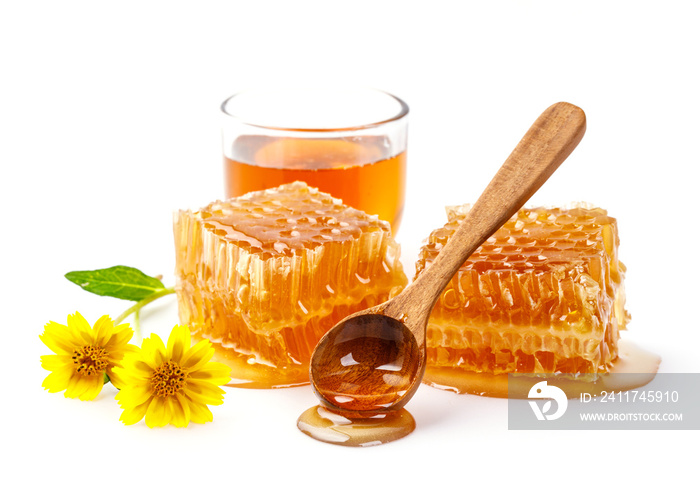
(373,361)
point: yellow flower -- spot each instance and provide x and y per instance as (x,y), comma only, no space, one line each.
(173,385)
(83,354)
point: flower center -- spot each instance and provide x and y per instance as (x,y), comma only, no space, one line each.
(90,360)
(168,379)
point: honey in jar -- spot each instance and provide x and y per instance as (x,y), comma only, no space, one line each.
(349,142)
(361,171)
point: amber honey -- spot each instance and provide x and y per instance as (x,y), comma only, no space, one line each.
(367,366)
(333,427)
(634,367)
(361,171)
(265,275)
(544,294)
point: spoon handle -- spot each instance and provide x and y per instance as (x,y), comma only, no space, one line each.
(544,147)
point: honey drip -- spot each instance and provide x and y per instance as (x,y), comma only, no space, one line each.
(265,275)
(544,294)
(363,172)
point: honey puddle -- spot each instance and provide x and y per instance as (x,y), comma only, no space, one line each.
(326,426)
(638,365)
(634,368)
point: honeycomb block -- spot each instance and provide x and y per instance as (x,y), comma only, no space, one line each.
(265,275)
(544,294)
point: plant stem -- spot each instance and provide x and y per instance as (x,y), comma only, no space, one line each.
(135,308)
(137,326)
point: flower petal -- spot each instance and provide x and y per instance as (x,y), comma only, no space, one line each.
(200,414)
(137,367)
(134,394)
(80,329)
(119,355)
(58,338)
(58,380)
(153,351)
(157,415)
(196,356)
(181,411)
(179,341)
(121,335)
(79,385)
(93,387)
(213,372)
(102,330)
(119,377)
(204,392)
(133,414)
(53,362)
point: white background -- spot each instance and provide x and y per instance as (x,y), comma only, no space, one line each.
(109,122)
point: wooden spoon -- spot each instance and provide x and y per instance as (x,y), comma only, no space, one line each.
(373,361)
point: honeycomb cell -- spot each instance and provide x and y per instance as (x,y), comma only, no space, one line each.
(544,294)
(265,275)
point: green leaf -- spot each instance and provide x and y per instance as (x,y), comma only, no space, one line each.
(118,282)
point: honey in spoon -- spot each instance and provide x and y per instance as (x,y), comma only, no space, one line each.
(367,367)
(363,395)
(374,370)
